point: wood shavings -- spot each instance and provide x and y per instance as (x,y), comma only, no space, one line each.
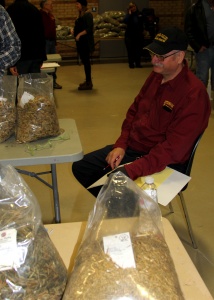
(95,276)
(7,120)
(38,272)
(36,120)
(43,275)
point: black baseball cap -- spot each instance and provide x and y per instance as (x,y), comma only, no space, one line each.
(83,2)
(168,39)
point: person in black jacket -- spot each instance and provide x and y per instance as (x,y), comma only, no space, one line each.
(29,27)
(83,33)
(134,35)
(199,28)
(2,3)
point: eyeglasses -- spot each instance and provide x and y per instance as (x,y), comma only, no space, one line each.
(162,57)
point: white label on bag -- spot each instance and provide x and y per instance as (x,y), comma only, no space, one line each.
(119,248)
(8,249)
(26,97)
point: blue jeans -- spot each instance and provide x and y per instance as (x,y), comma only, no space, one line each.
(51,49)
(204,62)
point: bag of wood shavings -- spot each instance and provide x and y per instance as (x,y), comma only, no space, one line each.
(36,110)
(123,254)
(8,87)
(30,266)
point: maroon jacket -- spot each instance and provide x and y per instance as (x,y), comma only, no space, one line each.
(49,25)
(164,121)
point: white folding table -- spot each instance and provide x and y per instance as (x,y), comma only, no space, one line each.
(63,151)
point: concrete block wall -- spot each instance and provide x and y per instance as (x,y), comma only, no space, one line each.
(170,12)
(64,10)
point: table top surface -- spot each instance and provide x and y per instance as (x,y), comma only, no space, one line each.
(48,70)
(53,150)
(54,57)
(68,236)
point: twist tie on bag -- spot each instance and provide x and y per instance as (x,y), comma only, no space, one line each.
(31,149)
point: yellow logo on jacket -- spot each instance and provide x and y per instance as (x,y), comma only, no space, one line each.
(167,105)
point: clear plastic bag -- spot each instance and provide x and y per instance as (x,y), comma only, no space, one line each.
(30,266)
(123,254)
(36,110)
(8,87)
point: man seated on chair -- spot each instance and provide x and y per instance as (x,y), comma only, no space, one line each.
(161,126)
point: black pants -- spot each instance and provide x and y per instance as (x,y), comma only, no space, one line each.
(91,167)
(29,66)
(54,76)
(133,48)
(84,53)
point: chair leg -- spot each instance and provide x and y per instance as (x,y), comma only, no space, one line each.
(171,208)
(188,220)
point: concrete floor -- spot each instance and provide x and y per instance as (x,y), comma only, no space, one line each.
(99,114)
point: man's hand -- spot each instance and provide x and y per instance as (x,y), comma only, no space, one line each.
(13,71)
(77,37)
(114,157)
(202,49)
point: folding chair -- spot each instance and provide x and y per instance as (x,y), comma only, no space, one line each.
(180,194)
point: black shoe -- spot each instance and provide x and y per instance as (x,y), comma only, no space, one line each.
(139,66)
(57,86)
(83,83)
(131,66)
(87,85)
(86,82)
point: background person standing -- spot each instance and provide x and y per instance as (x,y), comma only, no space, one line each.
(83,33)
(29,27)
(50,32)
(134,35)
(199,28)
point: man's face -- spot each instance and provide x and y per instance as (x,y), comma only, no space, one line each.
(78,6)
(48,5)
(166,64)
(133,8)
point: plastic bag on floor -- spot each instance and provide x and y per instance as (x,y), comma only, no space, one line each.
(8,87)
(36,110)
(123,254)
(30,266)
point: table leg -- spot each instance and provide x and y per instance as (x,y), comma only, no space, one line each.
(55,194)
